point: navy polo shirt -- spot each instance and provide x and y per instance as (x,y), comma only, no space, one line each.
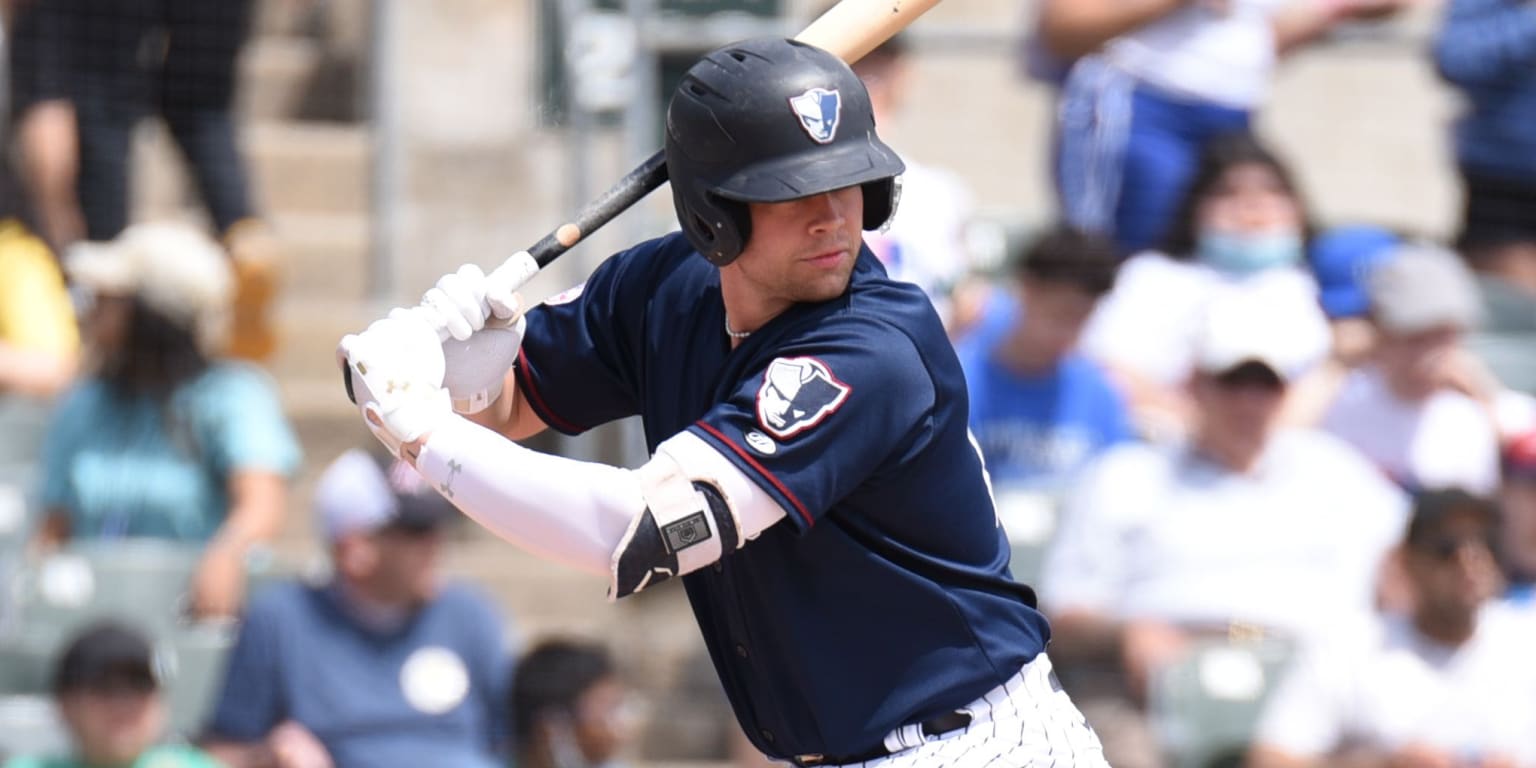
(432,693)
(885,597)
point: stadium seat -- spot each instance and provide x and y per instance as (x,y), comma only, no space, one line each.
(141,582)
(1509,356)
(29,725)
(23,421)
(1204,708)
(192,668)
(1029,518)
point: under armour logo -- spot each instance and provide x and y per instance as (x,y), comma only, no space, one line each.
(392,386)
(454,468)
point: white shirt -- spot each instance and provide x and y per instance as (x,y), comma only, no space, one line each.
(1227,58)
(927,231)
(1382,685)
(1150,322)
(1444,441)
(1158,532)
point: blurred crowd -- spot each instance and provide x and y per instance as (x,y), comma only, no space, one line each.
(1274,482)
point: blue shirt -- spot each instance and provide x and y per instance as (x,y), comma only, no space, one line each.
(1037,430)
(432,693)
(120,467)
(1488,49)
(884,598)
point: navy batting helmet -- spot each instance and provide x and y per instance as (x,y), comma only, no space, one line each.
(768,120)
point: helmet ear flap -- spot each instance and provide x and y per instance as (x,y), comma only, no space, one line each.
(880,200)
(718,228)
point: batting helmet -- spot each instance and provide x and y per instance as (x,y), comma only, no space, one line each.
(768,120)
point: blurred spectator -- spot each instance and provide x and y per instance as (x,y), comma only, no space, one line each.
(1487,48)
(1241,229)
(382,666)
(1517,534)
(1165,78)
(925,241)
(39,342)
(1341,259)
(569,707)
(40,116)
(1451,684)
(1039,409)
(1246,528)
(157,439)
(108,695)
(1408,409)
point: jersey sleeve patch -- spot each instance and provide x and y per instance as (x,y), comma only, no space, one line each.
(798,393)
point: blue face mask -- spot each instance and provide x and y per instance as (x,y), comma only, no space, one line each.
(1240,253)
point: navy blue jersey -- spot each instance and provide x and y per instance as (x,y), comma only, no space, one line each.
(884,598)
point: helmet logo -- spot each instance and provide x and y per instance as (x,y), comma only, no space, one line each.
(818,110)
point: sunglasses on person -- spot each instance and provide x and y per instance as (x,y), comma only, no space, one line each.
(1444,549)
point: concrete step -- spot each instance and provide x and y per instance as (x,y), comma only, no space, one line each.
(324,255)
(296,78)
(309,168)
(308,330)
(343,22)
(303,168)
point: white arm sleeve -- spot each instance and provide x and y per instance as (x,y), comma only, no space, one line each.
(576,512)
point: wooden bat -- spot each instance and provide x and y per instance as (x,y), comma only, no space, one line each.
(850,29)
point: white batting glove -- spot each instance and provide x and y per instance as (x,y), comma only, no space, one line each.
(397,375)
(468,299)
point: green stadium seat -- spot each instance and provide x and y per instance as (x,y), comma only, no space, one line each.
(1204,708)
(192,664)
(1029,518)
(30,725)
(141,582)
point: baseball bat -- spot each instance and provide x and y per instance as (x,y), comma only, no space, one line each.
(850,29)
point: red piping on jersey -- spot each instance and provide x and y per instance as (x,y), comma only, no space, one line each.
(761,470)
(525,377)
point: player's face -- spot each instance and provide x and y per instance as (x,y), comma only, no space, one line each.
(802,250)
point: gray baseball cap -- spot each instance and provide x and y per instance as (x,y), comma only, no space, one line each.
(359,493)
(1422,287)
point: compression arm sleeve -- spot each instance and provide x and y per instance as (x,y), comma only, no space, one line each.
(581,513)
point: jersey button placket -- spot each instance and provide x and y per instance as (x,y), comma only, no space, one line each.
(767,735)
(741,650)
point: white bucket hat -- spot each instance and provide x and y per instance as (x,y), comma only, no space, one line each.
(173,268)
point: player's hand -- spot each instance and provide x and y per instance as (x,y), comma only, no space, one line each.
(467,299)
(397,370)
(293,746)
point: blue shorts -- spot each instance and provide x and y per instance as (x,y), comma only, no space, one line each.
(1126,152)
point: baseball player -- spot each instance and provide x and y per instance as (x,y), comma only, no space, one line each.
(812,480)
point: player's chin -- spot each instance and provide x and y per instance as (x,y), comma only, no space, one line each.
(821,288)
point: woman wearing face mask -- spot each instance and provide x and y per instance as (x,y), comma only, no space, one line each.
(1241,228)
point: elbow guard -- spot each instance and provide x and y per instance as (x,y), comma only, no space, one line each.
(686,525)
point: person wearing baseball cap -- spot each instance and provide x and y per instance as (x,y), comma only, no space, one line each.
(109,696)
(1248,526)
(384,665)
(159,439)
(1419,408)
(1448,682)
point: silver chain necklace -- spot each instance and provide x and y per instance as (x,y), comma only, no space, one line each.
(734,334)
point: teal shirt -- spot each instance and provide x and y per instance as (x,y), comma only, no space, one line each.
(157,757)
(121,468)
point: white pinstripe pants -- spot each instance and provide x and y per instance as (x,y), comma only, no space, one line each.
(1026,721)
